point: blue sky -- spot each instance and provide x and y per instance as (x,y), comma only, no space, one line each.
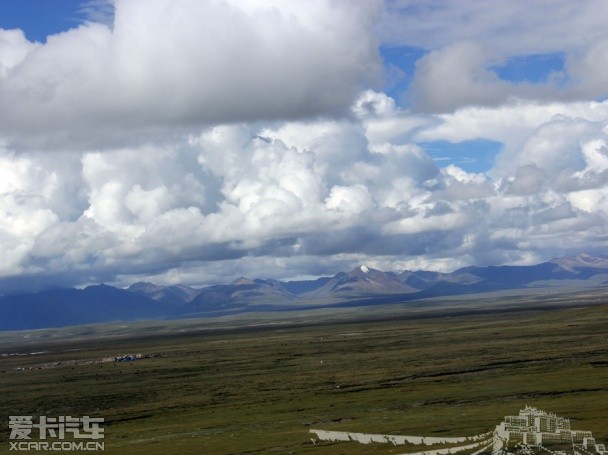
(531,68)
(40,18)
(471,155)
(404,59)
(195,142)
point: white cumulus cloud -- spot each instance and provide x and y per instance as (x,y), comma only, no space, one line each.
(161,66)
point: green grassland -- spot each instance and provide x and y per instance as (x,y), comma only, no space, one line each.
(257,389)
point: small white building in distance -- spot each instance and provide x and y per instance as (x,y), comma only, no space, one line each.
(534,427)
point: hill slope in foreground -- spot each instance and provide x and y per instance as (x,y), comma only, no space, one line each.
(361,287)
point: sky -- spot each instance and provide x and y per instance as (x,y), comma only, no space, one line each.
(193,142)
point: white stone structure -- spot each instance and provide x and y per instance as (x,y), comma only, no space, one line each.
(531,432)
(533,427)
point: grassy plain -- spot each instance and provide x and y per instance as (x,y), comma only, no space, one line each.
(261,389)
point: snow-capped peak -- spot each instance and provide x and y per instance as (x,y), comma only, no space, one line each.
(364,269)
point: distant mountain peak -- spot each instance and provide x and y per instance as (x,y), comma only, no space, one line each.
(100,286)
(144,286)
(580,261)
(242,281)
(363,271)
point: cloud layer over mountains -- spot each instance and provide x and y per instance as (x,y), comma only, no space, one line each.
(194,141)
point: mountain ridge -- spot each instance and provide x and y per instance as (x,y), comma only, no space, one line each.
(361,286)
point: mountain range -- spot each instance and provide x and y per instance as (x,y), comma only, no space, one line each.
(359,287)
